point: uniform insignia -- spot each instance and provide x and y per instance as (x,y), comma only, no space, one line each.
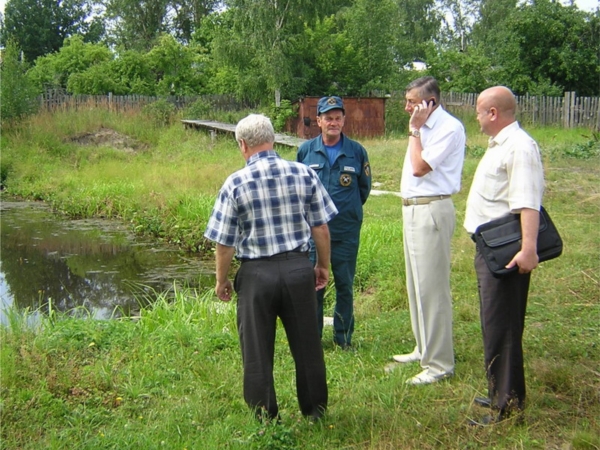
(349,169)
(345,179)
(367,169)
(331,101)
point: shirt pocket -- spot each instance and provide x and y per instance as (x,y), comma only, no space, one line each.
(317,167)
(495,185)
(348,177)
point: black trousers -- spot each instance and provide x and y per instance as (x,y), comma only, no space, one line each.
(503,303)
(280,286)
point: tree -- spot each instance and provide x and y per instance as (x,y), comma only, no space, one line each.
(134,24)
(462,71)
(490,30)
(419,23)
(17,94)
(269,30)
(53,71)
(39,27)
(177,68)
(370,26)
(326,61)
(554,46)
(188,15)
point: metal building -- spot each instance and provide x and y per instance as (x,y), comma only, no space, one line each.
(365,117)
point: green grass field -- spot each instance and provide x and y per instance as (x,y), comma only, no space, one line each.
(173,378)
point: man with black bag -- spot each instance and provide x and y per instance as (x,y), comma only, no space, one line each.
(509,180)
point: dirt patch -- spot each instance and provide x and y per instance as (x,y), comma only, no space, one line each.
(105,137)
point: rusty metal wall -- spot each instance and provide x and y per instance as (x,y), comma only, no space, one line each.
(365,117)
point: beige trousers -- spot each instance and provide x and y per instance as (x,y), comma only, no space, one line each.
(428,231)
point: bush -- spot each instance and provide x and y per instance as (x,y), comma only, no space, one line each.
(200,109)
(586,150)
(280,114)
(161,112)
(5,168)
(396,119)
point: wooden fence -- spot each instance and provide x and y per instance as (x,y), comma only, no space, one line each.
(59,101)
(568,111)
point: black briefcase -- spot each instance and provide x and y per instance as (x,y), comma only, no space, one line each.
(500,240)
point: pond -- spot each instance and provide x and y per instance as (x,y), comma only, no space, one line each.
(94,266)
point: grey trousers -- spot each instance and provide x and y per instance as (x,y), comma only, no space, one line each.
(280,286)
(503,304)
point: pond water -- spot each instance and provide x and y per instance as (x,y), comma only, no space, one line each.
(93,266)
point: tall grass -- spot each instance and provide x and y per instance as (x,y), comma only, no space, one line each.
(172,377)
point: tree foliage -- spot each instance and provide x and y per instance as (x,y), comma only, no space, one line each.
(136,24)
(39,27)
(258,50)
(53,71)
(17,93)
(555,45)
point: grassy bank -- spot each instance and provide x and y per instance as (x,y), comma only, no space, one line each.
(172,379)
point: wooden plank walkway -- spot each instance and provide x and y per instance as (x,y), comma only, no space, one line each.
(214,127)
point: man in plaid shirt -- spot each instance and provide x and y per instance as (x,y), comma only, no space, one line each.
(265,215)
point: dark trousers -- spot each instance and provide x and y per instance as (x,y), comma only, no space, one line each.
(281,286)
(503,303)
(343,266)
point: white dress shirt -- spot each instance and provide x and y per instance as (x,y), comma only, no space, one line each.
(443,140)
(509,177)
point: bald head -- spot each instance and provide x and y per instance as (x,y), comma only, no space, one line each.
(501,97)
(496,108)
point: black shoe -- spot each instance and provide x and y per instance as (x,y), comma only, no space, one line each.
(491,419)
(483,401)
(484,421)
(346,347)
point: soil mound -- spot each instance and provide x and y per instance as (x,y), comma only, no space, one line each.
(105,137)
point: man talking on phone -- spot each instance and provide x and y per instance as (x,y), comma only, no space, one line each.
(430,176)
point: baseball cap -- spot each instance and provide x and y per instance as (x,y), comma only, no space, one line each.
(328,103)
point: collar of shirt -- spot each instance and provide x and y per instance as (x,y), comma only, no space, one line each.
(503,135)
(263,154)
(433,117)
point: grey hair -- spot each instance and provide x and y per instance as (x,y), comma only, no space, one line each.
(427,86)
(255,130)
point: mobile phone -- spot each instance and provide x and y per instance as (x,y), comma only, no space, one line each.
(433,103)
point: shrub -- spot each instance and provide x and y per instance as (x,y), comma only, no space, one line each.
(586,150)
(200,109)
(161,112)
(280,114)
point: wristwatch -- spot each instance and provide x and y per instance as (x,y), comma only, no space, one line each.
(415,133)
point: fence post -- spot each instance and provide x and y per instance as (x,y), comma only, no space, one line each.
(566,115)
(597,127)
(572,123)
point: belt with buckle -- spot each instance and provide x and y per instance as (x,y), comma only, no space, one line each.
(422,200)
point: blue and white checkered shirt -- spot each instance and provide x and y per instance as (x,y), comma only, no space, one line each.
(268,207)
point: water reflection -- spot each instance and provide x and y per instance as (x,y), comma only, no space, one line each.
(94,264)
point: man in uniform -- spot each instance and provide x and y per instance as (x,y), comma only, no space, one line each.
(343,167)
